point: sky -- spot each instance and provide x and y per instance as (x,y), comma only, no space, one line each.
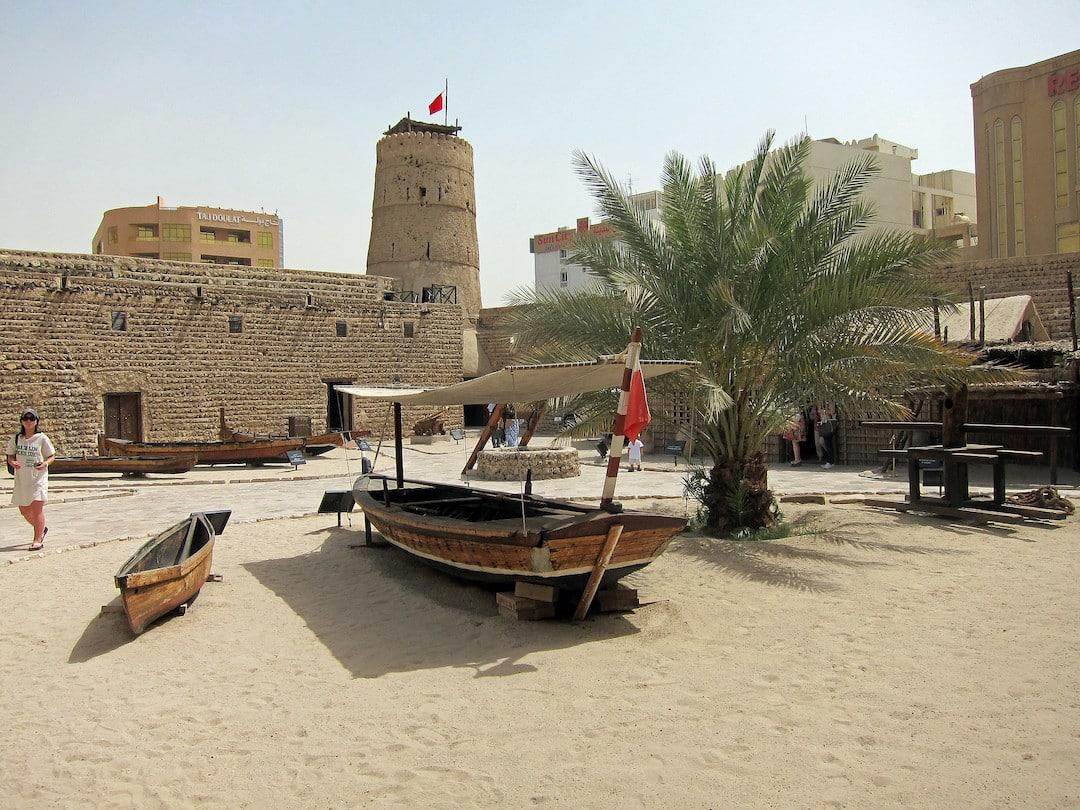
(277,106)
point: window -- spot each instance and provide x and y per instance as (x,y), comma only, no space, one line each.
(98,249)
(114,234)
(408,329)
(146,233)
(564,277)
(264,263)
(1018,186)
(1000,229)
(176,233)
(1061,156)
(119,321)
(941,211)
(236,324)
(562,254)
(207,234)
(243,237)
(341,329)
(423,192)
(1068,237)
(266,239)
(177,257)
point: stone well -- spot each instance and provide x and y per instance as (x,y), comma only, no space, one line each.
(511,463)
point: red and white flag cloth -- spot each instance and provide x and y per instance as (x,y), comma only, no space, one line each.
(637,407)
(436,105)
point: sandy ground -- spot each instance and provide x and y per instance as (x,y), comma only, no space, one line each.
(890,660)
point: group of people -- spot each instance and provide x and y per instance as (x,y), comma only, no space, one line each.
(823,420)
(508,430)
(29,454)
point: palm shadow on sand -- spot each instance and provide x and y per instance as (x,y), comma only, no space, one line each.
(379,610)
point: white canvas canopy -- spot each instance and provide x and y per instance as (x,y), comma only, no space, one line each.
(521,383)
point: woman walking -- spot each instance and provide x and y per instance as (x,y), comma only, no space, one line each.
(29,452)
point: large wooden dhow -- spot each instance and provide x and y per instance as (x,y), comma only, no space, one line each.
(259,451)
(169,570)
(502,538)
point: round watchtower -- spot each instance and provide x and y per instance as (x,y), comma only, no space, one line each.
(423,217)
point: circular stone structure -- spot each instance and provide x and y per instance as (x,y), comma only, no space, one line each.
(512,463)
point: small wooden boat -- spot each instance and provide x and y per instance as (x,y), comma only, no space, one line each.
(129,465)
(169,570)
(257,452)
(312,445)
(501,539)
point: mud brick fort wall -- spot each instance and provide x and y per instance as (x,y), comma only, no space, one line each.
(1041,277)
(61,354)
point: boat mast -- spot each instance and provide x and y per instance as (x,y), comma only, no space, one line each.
(618,439)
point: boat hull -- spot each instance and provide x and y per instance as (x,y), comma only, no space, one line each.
(501,552)
(149,589)
(254,452)
(130,465)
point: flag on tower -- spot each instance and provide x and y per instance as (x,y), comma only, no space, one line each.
(436,105)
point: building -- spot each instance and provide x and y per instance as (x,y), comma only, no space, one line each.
(192,234)
(940,205)
(166,344)
(1027,158)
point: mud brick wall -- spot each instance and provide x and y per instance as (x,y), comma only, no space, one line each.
(60,353)
(1041,277)
(493,341)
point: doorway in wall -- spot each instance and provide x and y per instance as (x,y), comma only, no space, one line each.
(338,407)
(123,416)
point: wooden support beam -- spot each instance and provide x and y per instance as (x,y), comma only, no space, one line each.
(530,427)
(971,312)
(399,448)
(954,416)
(599,568)
(485,434)
(1072,307)
(982,316)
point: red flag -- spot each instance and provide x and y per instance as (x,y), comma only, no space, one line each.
(436,105)
(637,407)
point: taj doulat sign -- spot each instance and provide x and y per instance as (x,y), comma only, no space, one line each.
(1064,82)
(236,219)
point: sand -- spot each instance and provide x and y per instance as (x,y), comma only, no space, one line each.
(891,660)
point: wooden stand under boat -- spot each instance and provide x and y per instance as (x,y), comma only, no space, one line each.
(169,570)
(503,539)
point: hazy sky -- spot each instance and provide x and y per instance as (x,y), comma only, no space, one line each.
(278,105)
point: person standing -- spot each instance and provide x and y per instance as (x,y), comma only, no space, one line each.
(512,429)
(635,454)
(796,434)
(824,430)
(30,452)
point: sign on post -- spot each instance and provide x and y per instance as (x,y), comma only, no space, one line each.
(676,449)
(296,458)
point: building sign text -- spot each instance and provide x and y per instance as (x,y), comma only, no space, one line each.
(1064,82)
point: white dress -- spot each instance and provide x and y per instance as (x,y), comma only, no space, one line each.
(30,484)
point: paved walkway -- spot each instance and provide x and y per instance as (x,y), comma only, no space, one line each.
(100,508)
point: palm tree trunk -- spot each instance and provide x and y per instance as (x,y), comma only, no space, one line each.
(738,495)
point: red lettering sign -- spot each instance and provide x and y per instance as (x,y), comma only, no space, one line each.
(1063,82)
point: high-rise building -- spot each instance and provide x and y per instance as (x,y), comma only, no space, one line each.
(1027,158)
(192,234)
(940,204)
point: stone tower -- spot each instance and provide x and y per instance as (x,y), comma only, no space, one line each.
(423,217)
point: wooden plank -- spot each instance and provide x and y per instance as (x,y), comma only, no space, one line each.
(618,599)
(533,590)
(598,571)
(1049,430)
(937,507)
(521,608)
(485,434)
(902,425)
(1037,512)
(530,427)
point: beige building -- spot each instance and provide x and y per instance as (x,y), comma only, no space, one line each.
(192,234)
(1027,158)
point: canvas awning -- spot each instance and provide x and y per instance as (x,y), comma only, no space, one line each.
(1011,318)
(521,383)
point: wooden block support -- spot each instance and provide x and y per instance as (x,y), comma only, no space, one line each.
(215,577)
(597,575)
(619,598)
(522,608)
(112,608)
(541,593)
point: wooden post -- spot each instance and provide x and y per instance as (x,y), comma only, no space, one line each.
(913,473)
(1072,308)
(534,420)
(953,416)
(971,313)
(937,320)
(399,449)
(982,316)
(1053,455)
(598,571)
(485,434)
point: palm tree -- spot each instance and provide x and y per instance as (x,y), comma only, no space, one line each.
(783,293)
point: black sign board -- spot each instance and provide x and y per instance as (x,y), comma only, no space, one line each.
(676,449)
(296,457)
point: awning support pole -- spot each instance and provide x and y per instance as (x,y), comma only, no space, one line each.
(399,450)
(485,434)
(618,437)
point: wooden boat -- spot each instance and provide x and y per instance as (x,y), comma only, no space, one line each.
(169,570)
(482,535)
(501,538)
(312,445)
(129,465)
(257,452)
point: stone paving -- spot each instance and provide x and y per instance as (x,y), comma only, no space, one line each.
(93,509)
